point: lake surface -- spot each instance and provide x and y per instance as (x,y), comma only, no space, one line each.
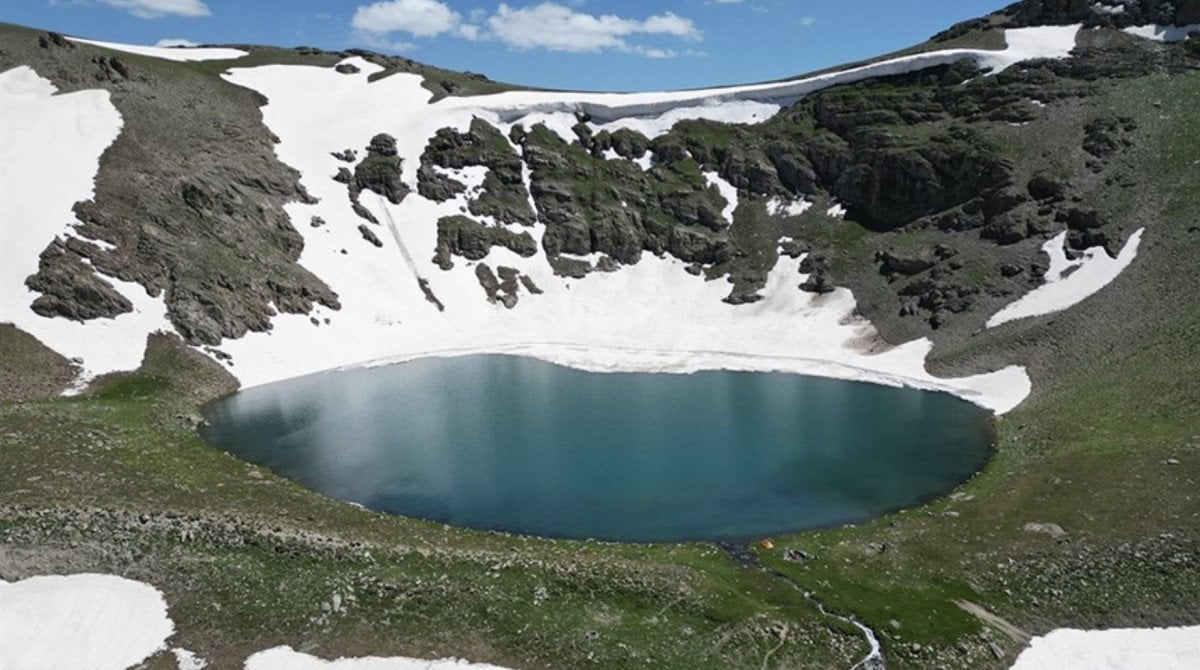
(516,444)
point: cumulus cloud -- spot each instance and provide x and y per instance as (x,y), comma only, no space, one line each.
(421,18)
(155,9)
(547,25)
(558,28)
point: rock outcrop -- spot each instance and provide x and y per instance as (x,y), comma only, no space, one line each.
(465,237)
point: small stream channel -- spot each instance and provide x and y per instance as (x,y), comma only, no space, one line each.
(874,659)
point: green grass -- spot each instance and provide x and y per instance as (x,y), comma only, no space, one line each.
(1116,401)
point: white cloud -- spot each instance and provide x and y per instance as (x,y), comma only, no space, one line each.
(469,31)
(657,53)
(547,25)
(807,21)
(422,18)
(154,9)
(558,28)
(175,42)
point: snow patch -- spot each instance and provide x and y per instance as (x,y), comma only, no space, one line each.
(105,622)
(180,54)
(1069,282)
(1163,33)
(747,112)
(837,210)
(1110,8)
(99,622)
(365,67)
(1117,649)
(779,206)
(40,130)
(728,191)
(187,660)
(286,658)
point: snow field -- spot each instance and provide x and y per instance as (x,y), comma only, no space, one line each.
(36,207)
(181,54)
(1069,282)
(1118,649)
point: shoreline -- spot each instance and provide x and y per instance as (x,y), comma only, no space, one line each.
(609,359)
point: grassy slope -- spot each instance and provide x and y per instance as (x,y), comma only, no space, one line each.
(247,559)
(117,481)
(1118,396)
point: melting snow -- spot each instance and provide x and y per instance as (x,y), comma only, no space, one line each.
(677,323)
(728,191)
(105,622)
(169,53)
(1118,649)
(52,146)
(1163,33)
(738,111)
(286,658)
(653,111)
(99,622)
(186,660)
(1069,282)
(778,206)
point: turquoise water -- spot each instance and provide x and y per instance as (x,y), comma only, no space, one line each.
(515,444)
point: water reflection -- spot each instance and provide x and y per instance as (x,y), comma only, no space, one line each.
(515,444)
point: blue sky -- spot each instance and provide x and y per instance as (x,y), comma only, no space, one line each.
(585,44)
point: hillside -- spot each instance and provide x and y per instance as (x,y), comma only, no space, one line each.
(1006,213)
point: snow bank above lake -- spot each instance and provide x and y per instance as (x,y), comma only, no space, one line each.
(1118,649)
(649,317)
(97,622)
(181,54)
(286,658)
(1069,282)
(1042,42)
(52,147)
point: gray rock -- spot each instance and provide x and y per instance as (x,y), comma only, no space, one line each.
(370,236)
(907,262)
(1052,529)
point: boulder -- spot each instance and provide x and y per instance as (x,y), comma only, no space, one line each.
(379,171)
(1052,529)
(369,236)
(1044,187)
(907,262)
(71,289)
